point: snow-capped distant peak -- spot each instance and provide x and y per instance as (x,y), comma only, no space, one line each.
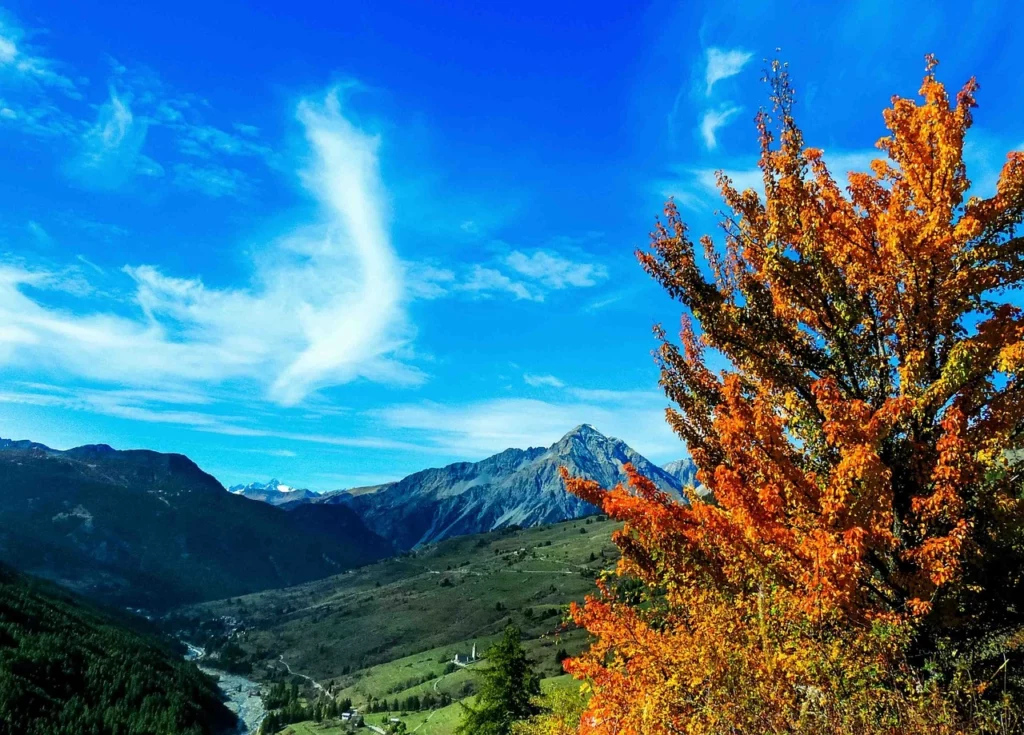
(273,492)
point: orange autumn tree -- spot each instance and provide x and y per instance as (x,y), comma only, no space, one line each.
(859,568)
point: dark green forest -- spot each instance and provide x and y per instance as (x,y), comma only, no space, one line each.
(66,667)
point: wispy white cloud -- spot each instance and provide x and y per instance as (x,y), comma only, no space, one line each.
(555,271)
(525,275)
(111,152)
(426,281)
(354,332)
(722,64)
(182,409)
(697,188)
(69,280)
(39,233)
(82,259)
(486,281)
(605,301)
(22,64)
(213,180)
(712,121)
(34,85)
(102,231)
(204,141)
(38,118)
(542,381)
(283,453)
(250,131)
(619,397)
(8,49)
(324,308)
(477,429)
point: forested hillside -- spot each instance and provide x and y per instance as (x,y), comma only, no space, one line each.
(66,668)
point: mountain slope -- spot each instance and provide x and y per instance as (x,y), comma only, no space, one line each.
(439,595)
(683,470)
(516,487)
(273,492)
(152,530)
(65,667)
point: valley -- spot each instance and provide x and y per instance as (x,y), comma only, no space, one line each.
(153,531)
(391,630)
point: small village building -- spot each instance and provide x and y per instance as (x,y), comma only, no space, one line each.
(352,718)
(462,659)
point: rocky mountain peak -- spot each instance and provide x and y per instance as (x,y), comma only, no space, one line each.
(583,431)
(586,438)
(514,487)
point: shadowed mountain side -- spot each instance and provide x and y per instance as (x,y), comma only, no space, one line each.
(152,530)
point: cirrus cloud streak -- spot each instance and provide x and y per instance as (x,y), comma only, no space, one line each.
(324,306)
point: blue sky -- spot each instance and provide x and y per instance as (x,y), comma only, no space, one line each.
(339,242)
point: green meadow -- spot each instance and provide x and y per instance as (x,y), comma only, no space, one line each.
(389,631)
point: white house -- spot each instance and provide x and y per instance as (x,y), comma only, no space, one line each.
(464,660)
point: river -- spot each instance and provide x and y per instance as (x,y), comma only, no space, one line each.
(242,696)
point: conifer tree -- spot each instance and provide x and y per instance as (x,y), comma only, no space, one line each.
(507,691)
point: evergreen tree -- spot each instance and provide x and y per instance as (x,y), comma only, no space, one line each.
(506,691)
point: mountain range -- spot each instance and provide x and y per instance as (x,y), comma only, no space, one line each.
(516,487)
(273,492)
(151,530)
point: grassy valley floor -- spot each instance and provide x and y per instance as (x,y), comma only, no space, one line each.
(389,631)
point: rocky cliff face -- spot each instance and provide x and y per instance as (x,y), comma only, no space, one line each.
(516,487)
